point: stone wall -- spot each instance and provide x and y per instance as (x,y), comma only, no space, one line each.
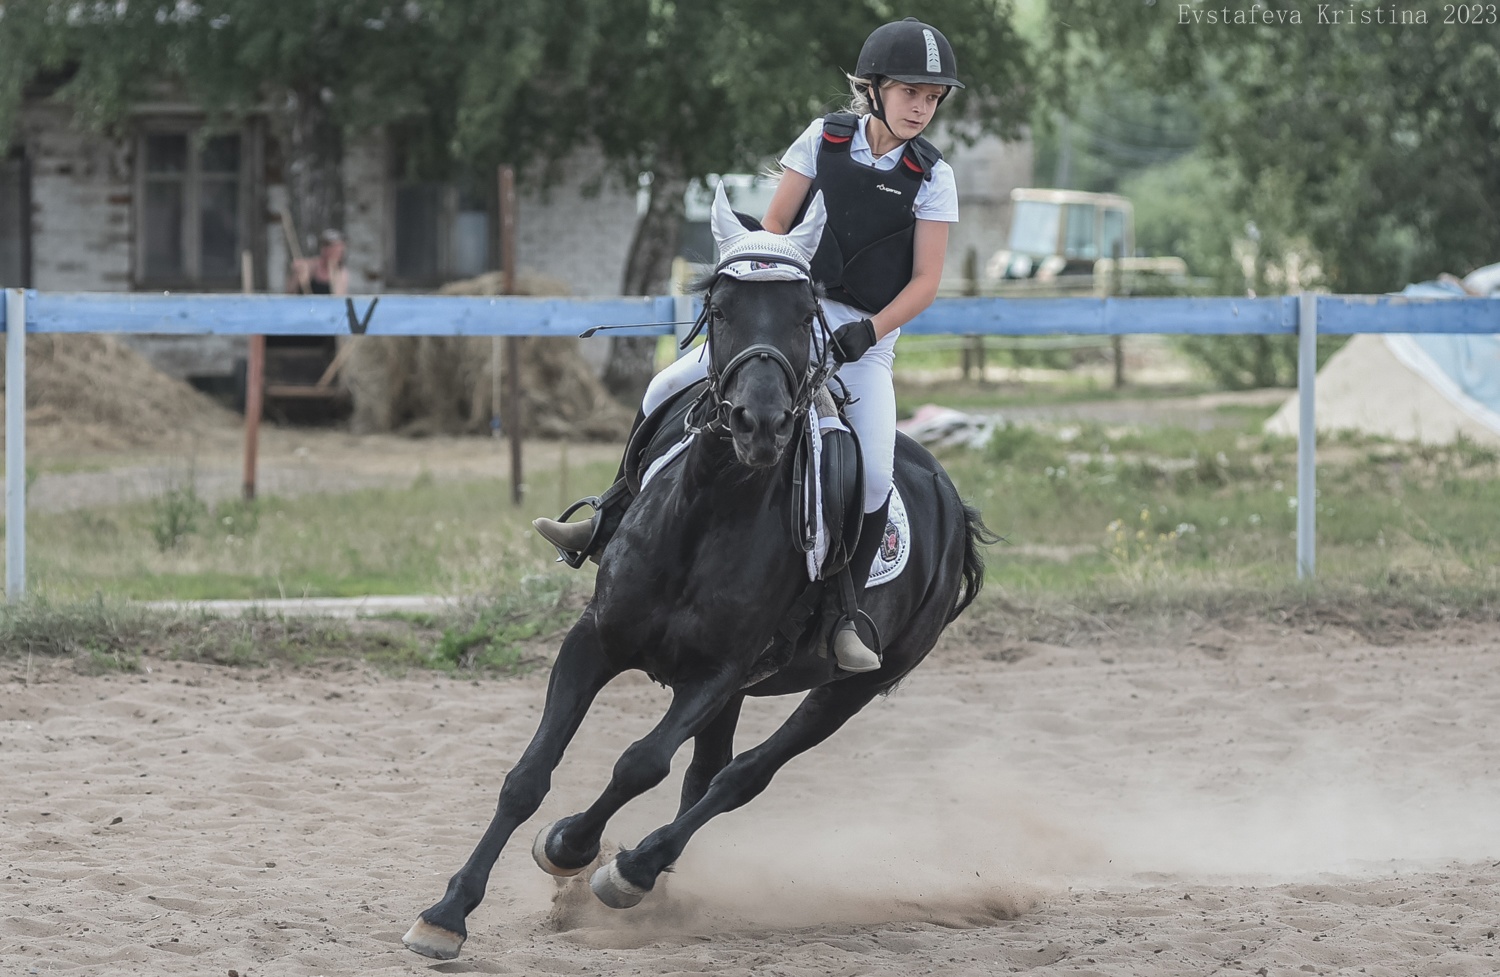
(81,194)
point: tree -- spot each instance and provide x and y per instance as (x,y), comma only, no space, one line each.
(1372,140)
(681,90)
(318,68)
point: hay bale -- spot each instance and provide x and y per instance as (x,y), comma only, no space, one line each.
(94,391)
(444,385)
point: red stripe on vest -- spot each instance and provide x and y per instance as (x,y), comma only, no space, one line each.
(831,138)
(910,165)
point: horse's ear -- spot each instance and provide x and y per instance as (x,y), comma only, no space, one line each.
(806,235)
(726,226)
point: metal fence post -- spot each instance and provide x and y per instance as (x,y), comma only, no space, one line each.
(1307,434)
(15,444)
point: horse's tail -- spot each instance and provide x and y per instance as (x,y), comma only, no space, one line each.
(976,534)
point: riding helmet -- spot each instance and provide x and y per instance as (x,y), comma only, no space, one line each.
(909,51)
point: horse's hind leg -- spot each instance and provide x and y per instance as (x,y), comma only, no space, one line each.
(573,842)
(581,670)
(713,748)
(633,873)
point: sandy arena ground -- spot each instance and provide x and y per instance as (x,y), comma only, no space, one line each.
(1261,804)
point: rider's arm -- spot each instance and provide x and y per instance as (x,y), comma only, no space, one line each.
(929,249)
(786,201)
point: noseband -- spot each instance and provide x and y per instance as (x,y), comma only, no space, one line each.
(712,408)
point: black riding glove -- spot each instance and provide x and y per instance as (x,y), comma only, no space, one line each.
(853,340)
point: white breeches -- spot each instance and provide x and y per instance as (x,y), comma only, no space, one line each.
(873,414)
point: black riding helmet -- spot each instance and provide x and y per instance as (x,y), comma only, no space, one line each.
(908,51)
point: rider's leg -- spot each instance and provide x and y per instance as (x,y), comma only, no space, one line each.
(873,416)
(587,538)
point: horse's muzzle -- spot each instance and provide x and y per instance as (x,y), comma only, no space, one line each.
(760,435)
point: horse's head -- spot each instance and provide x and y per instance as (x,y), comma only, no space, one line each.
(761,310)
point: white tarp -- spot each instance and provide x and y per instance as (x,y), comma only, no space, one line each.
(1428,388)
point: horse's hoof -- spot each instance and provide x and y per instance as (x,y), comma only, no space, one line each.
(432,941)
(539,853)
(613,889)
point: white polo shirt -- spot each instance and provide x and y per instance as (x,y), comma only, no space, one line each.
(937,198)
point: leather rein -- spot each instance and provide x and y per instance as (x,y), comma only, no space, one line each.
(711,411)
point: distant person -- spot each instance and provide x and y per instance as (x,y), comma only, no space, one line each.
(324,274)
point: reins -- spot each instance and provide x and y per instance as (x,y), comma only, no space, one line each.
(709,412)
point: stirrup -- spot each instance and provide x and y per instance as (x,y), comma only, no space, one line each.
(575,558)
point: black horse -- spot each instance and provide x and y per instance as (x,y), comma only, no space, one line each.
(692,589)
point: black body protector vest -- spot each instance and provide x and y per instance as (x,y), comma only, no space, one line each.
(865,257)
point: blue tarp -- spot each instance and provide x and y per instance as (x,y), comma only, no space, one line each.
(1465,369)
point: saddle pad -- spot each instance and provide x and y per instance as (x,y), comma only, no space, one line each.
(890,559)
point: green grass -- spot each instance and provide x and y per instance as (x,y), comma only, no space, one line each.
(503,635)
(1102,523)
(1171,507)
(433,536)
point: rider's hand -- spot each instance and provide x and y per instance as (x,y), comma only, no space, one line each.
(853,340)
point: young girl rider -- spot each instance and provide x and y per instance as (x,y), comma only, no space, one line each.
(889,198)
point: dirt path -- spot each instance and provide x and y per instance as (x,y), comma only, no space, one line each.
(1290,805)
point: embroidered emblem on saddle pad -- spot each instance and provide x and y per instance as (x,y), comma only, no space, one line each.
(895,546)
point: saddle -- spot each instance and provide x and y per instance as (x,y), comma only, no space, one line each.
(828,470)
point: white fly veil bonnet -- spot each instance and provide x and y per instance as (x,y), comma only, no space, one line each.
(763,256)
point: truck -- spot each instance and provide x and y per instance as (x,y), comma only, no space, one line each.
(1071,240)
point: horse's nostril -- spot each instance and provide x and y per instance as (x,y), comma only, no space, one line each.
(784,423)
(741,421)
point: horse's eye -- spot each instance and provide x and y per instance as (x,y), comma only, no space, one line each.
(717,313)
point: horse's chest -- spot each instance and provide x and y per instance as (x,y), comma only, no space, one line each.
(684,610)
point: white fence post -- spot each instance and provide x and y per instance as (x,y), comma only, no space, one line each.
(15,444)
(1307,435)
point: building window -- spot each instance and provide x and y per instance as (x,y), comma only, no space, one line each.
(441,230)
(192,218)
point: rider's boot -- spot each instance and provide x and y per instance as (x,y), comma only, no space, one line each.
(852,654)
(578,541)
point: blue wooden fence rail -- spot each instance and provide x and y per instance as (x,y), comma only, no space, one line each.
(1304,316)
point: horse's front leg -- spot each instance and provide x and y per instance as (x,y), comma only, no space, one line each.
(581,670)
(569,845)
(633,873)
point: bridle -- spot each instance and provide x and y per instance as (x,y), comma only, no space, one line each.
(711,410)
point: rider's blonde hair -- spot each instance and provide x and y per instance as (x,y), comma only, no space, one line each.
(859,93)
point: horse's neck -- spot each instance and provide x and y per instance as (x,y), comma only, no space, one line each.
(713,478)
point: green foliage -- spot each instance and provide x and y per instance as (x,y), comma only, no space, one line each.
(1184,208)
(99,635)
(1250,362)
(176,514)
(492,639)
(1369,144)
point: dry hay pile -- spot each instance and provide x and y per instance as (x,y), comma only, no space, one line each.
(444,384)
(94,391)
